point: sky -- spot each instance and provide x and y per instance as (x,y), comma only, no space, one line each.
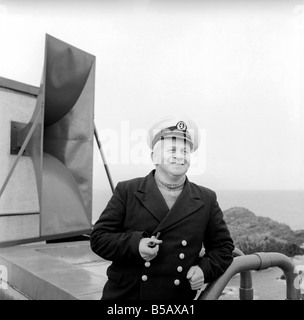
(234,67)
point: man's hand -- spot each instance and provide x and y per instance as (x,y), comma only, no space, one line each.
(148,248)
(195,276)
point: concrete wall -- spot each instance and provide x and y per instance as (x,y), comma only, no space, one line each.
(19,205)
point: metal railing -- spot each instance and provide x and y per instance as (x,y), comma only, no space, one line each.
(243,264)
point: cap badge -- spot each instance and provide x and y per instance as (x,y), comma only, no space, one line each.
(181,126)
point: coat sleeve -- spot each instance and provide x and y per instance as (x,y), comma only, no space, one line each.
(108,239)
(218,245)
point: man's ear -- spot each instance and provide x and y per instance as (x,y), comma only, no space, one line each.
(153,155)
(153,158)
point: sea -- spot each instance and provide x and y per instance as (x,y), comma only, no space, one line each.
(284,206)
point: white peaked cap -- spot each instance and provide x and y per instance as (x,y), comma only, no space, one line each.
(179,127)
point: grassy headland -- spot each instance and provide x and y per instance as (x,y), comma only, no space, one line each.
(253,233)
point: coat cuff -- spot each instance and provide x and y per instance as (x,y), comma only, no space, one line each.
(204,264)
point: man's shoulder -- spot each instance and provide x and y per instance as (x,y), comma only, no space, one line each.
(130,183)
(203,190)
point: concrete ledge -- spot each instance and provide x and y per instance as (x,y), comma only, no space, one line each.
(10,293)
(18,86)
(59,271)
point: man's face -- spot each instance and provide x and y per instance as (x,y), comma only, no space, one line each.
(172,156)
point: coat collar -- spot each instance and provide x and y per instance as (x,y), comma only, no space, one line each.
(149,195)
(151,198)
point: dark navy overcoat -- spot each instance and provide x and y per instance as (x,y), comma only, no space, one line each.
(137,209)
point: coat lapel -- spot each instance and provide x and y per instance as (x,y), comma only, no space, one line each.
(188,202)
(151,198)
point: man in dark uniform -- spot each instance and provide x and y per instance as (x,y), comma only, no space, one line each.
(154,227)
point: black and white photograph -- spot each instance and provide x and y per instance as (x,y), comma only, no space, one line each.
(152,152)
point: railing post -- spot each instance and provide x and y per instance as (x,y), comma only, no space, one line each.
(246,289)
(275,259)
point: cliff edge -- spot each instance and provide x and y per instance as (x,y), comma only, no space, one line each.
(252,233)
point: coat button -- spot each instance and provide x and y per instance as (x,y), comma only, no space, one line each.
(184,243)
(181,255)
(176,282)
(147,264)
(144,278)
(179,268)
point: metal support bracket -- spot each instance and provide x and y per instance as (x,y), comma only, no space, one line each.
(16,139)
